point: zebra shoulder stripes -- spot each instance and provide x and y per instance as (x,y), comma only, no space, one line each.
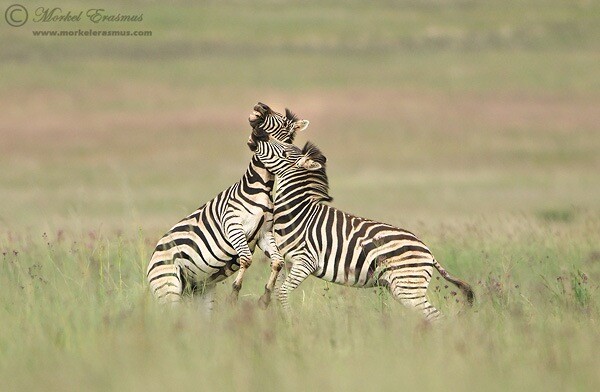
(218,238)
(338,247)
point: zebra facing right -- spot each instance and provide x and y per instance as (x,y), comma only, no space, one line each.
(338,247)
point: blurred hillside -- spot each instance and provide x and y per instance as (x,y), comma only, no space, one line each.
(435,110)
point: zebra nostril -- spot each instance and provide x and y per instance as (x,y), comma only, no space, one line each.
(255,116)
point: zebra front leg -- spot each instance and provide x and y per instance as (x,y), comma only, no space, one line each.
(268,245)
(281,278)
(237,238)
(298,273)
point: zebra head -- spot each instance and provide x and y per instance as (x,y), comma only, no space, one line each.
(281,127)
(304,168)
(280,157)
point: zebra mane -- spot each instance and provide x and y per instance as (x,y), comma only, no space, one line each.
(313,152)
(290,115)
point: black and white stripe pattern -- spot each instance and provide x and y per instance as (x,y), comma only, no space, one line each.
(338,247)
(280,127)
(219,238)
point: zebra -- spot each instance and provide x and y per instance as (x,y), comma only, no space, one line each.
(336,246)
(219,238)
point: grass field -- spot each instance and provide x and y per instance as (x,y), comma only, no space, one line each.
(473,124)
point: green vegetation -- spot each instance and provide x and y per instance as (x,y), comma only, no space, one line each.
(473,124)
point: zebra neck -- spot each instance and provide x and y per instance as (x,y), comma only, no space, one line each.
(293,189)
(291,192)
(257,175)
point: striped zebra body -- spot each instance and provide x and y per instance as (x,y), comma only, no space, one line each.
(338,247)
(219,238)
(360,245)
(198,252)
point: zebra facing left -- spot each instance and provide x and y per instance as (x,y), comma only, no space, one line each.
(219,238)
(325,242)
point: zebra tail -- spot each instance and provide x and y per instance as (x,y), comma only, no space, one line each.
(461,284)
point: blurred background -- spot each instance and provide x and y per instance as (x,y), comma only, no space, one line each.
(429,111)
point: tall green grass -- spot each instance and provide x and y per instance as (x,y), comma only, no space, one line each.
(76,314)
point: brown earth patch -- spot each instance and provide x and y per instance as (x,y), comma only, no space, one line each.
(48,116)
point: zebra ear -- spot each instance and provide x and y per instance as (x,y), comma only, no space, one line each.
(309,164)
(301,125)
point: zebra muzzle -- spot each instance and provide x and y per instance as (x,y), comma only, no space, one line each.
(254,116)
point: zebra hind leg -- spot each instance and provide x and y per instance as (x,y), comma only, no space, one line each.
(166,284)
(410,289)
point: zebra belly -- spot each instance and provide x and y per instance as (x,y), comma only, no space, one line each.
(199,264)
(354,259)
(334,271)
(203,253)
